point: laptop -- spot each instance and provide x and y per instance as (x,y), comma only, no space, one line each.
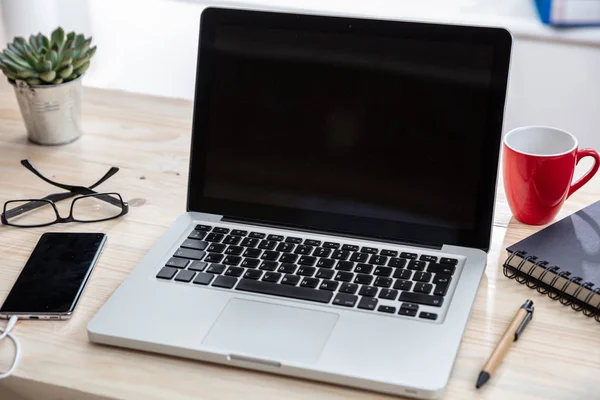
(339,209)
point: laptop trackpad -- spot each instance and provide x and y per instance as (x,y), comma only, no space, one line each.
(269,331)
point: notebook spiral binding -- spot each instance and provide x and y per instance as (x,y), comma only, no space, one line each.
(524,277)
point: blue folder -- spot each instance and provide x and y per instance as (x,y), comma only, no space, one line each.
(545,9)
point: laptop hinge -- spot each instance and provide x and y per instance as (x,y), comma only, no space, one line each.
(247,221)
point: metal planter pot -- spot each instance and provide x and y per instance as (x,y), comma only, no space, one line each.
(52,113)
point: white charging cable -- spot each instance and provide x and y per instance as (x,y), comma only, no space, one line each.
(6,332)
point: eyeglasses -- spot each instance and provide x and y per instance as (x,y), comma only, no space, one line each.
(89,206)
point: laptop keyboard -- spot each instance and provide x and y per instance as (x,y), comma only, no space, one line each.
(345,275)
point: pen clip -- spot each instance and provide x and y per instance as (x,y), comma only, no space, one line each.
(528,306)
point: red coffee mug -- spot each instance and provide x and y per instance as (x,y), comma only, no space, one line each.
(539,163)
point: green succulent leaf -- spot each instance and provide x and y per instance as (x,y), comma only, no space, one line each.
(91,52)
(19,42)
(52,56)
(68,53)
(31,60)
(16,59)
(73,76)
(48,76)
(65,62)
(85,47)
(27,73)
(58,37)
(45,41)
(82,68)
(66,71)
(34,81)
(44,66)
(71,36)
(57,81)
(12,66)
(80,62)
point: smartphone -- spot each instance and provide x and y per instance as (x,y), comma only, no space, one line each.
(54,277)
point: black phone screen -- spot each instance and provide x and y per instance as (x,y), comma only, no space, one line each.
(55,274)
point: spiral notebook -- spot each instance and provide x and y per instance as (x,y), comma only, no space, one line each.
(562,261)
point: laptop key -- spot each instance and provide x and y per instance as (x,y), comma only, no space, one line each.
(270,255)
(239,232)
(197,266)
(230,239)
(344,276)
(253,274)
(190,254)
(201,227)
(289,258)
(382,271)
(407,312)
(311,242)
(325,263)
(363,279)
(446,260)
(388,294)
(199,235)
(290,280)
(310,282)
(203,278)
(350,247)
(425,257)
(249,242)
(216,268)
(346,300)
(422,276)
(367,303)
(389,253)
(350,288)
(216,248)
(402,274)
(307,260)
(340,254)
(250,263)
(214,237)
(177,262)
(387,309)
(421,298)
(324,273)
(235,271)
(226,282)
(257,235)
(421,287)
(303,249)
(440,278)
(269,265)
(441,289)
(378,260)
(368,291)
(411,256)
(220,230)
(167,273)
(306,271)
(295,240)
(363,269)
(401,284)
(329,285)
(441,268)
(369,250)
(294,292)
(252,253)
(272,277)
(410,306)
(285,247)
(331,245)
(416,265)
(344,265)
(383,282)
(214,258)
(287,268)
(397,262)
(234,250)
(185,276)
(359,257)
(321,252)
(428,315)
(194,244)
(267,244)
(278,238)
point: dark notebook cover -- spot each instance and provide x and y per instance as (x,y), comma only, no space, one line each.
(573,244)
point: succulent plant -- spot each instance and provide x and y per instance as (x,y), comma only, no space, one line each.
(43,61)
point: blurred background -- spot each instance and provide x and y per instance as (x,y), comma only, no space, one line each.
(149,46)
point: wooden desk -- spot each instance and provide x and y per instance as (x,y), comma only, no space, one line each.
(558,356)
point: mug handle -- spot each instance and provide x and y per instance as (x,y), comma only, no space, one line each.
(588,175)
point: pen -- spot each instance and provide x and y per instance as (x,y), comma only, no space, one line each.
(514,330)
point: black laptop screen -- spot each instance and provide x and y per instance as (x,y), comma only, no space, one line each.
(311,124)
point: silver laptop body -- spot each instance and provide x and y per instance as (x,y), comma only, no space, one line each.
(291,259)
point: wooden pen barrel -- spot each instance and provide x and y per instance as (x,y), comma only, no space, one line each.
(505,342)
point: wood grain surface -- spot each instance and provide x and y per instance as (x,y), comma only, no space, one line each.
(557,357)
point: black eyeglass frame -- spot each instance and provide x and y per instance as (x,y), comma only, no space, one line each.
(51,199)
